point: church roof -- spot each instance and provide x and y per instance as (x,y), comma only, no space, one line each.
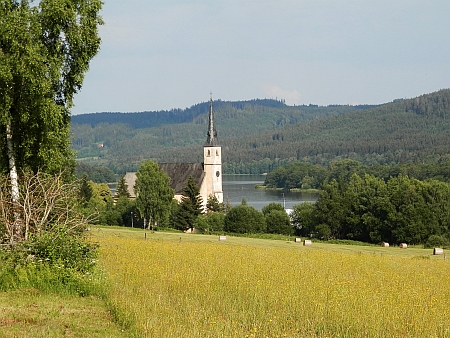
(178,173)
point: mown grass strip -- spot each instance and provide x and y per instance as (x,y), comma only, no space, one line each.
(34,314)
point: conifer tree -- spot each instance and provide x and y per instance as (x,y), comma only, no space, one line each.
(191,205)
(122,188)
(213,204)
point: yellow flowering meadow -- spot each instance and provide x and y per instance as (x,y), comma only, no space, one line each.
(165,288)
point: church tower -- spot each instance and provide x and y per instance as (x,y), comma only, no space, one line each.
(212,159)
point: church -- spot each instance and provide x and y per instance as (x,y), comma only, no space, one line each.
(207,175)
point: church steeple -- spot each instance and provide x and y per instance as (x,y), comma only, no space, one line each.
(212,160)
(211,140)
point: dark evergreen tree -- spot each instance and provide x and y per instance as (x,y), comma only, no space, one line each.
(122,188)
(213,205)
(85,192)
(191,205)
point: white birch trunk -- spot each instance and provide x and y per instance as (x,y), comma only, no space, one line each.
(17,231)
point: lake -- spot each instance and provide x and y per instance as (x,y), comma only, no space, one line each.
(237,187)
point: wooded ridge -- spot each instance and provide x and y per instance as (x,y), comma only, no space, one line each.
(259,135)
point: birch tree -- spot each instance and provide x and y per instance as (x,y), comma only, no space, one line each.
(153,194)
(45,50)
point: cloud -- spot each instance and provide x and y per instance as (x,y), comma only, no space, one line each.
(273,91)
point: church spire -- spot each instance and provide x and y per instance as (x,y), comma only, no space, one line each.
(211,139)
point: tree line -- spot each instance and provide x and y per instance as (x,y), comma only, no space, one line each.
(371,210)
(302,175)
(352,205)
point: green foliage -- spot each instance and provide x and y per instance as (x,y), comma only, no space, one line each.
(278,222)
(57,260)
(302,218)
(97,174)
(244,219)
(122,188)
(126,142)
(323,231)
(44,277)
(191,205)
(186,216)
(289,176)
(154,195)
(211,222)
(191,191)
(201,224)
(296,175)
(348,242)
(62,248)
(271,207)
(371,210)
(44,53)
(102,192)
(435,241)
(45,50)
(213,205)
(85,192)
(216,221)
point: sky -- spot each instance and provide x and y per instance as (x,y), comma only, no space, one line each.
(164,54)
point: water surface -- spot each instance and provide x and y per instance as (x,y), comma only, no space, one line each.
(237,187)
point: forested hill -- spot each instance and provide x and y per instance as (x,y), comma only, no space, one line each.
(413,130)
(257,136)
(129,138)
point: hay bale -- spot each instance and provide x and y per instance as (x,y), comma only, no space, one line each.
(438,251)
(307,242)
(385,245)
(298,240)
(222,238)
(403,245)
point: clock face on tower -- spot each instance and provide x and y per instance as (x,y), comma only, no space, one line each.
(217,173)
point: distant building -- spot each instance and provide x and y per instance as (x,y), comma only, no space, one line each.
(207,175)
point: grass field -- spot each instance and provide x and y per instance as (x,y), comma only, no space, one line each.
(187,285)
(32,314)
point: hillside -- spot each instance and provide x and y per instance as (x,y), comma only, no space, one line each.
(129,138)
(258,138)
(403,131)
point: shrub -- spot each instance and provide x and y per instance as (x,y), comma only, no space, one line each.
(216,221)
(271,207)
(17,270)
(278,222)
(323,231)
(244,219)
(45,246)
(435,241)
(63,249)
